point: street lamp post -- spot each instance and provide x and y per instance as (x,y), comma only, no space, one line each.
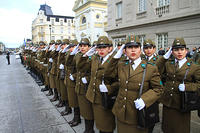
(50,32)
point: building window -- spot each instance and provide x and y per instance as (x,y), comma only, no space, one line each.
(119,10)
(162,40)
(53,38)
(69,30)
(41,20)
(83,20)
(52,30)
(61,30)
(41,29)
(142,38)
(69,23)
(142,5)
(52,21)
(61,22)
(97,16)
(163,3)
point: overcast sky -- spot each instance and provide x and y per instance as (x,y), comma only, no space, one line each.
(16,17)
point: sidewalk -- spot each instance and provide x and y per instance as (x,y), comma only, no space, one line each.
(25,109)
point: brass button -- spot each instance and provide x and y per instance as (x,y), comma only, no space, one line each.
(171,94)
(125,89)
(94,84)
(172,88)
(173,82)
(124,98)
(126,82)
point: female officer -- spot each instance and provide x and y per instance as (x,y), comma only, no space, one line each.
(130,74)
(174,70)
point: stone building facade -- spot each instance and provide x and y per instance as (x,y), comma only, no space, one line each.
(159,20)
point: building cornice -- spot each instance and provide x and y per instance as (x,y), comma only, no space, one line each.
(154,21)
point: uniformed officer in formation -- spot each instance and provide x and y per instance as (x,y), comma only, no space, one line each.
(174,69)
(102,83)
(130,73)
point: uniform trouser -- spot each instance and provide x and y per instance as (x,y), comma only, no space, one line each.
(63,91)
(85,107)
(175,121)
(104,119)
(129,128)
(52,79)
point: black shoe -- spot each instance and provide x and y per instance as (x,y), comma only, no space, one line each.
(66,112)
(75,122)
(45,89)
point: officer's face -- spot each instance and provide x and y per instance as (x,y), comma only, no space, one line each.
(133,52)
(149,51)
(63,46)
(103,51)
(84,48)
(72,48)
(179,53)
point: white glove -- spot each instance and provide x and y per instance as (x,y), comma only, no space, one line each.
(61,66)
(75,50)
(65,49)
(50,60)
(139,104)
(52,47)
(90,52)
(181,87)
(58,48)
(115,49)
(46,47)
(84,80)
(119,52)
(168,54)
(71,77)
(103,87)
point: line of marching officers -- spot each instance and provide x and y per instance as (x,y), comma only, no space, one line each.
(102,83)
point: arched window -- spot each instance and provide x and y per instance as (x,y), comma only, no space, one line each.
(83,20)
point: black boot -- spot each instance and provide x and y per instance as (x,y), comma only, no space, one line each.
(55,98)
(89,126)
(50,92)
(77,119)
(46,88)
(60,103)
(68,110)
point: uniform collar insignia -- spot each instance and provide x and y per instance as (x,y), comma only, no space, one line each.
(143,65)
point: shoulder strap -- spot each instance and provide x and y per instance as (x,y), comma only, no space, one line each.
(141,87)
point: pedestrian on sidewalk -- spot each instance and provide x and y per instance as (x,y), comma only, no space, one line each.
(8,57)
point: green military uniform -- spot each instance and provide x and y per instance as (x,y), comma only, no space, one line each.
(83,65)
(173,120)
(130,81)
(104,118)
(70,69)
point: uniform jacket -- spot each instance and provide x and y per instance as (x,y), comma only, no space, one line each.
(129,85)
(54,55)
(97,75)
(171,95)
(83,69)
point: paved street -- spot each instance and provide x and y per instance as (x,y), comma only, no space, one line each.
(25,109)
